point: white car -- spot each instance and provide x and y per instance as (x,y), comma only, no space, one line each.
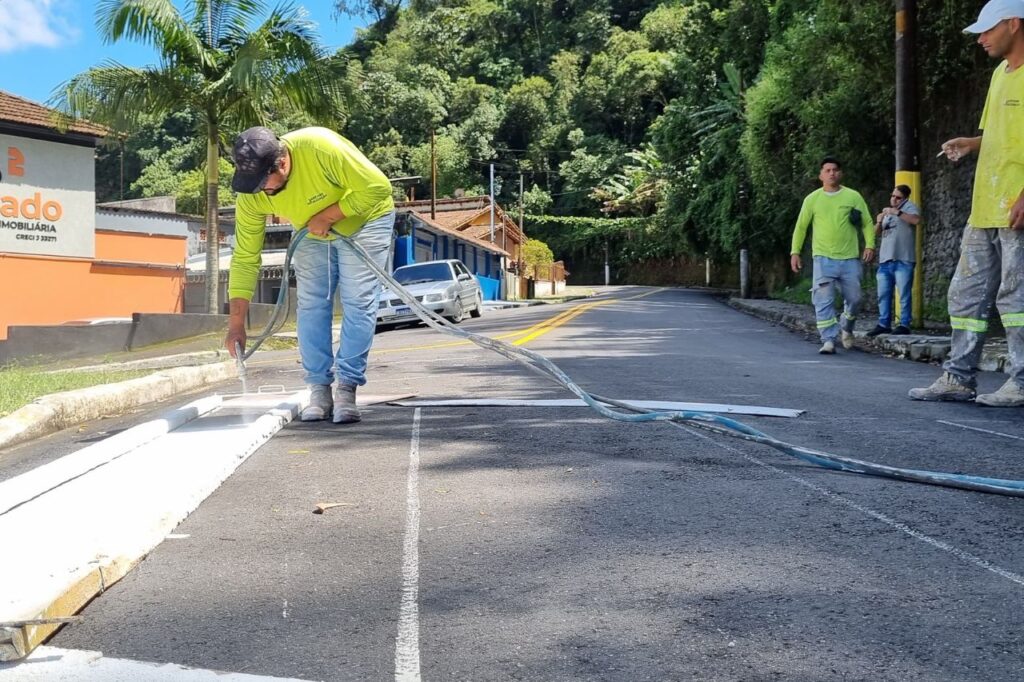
(444,286)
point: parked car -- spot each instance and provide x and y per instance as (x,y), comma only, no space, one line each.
(444,286)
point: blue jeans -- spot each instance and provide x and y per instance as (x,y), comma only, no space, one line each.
(900,273)
(321,267)
(828,272)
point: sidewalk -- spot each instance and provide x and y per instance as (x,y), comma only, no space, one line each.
(923,347)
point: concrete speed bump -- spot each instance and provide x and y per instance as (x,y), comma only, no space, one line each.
(60,410)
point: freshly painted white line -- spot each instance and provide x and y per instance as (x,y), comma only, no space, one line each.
(576,402)
(407,644)
(47,664)
(980,430)
(109,518)
(20,489)
(963,555)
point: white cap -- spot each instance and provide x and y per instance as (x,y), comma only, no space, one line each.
(995,11)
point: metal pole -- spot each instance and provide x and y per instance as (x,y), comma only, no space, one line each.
(492,203)
(744,274)
(433,177)
(607,272)
(707,270)
(908,148)
(520,202)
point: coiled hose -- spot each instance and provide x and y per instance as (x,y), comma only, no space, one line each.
(627,413)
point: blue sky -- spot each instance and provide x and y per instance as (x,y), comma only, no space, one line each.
(46,42)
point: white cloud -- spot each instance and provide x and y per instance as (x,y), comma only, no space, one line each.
(33,23)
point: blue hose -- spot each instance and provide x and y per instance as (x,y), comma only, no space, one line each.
(627,413)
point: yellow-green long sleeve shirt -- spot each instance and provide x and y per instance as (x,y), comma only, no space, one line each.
(326,169)
(832,234)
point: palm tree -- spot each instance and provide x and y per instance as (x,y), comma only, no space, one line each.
(214,64)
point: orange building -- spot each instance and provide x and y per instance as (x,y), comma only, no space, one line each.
(61,257)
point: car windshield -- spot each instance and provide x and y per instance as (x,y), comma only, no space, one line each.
(425,272)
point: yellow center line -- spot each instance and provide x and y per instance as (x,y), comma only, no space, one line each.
(452,344)
(555,323)
(528,334)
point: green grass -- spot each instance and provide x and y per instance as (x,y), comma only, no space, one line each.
(795,293)
(21,385)
(279,343)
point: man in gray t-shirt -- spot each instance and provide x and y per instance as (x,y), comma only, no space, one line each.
(896,227)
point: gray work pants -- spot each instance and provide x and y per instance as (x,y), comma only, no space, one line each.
(990,271)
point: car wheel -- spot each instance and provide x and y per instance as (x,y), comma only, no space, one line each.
(478,309)
(459,313)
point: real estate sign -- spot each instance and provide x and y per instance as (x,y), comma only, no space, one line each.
(47,198)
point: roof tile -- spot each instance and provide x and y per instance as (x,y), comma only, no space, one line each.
(14,109)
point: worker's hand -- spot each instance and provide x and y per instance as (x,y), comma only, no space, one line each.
(957,148)
(889,210)
(795,263)
(236,334)
(868,256)
(321,223)
(1017,214)
(318,225)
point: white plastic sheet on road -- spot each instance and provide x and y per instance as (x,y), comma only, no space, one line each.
(715,408)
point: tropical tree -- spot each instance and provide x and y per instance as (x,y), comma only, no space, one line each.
(221,63)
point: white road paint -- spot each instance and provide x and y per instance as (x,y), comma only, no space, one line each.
(716,408)
(979,430)
(31,484)
(834,498)
(52,664)
(110,517)
(407,645)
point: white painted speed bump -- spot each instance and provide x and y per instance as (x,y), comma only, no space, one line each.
(51,664)
(71,542)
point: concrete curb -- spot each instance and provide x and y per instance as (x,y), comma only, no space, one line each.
(60,410)
(917,347)
(161,362)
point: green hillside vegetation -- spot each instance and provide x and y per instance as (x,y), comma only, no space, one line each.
(667,129)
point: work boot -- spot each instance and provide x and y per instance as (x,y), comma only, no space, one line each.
(1011,394)
(847,340)
(879,329)
(320,403)
(946,387)
(828,348)
(345,410)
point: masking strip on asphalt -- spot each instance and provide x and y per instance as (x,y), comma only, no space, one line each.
(979,430)
(407,642)
(839,500)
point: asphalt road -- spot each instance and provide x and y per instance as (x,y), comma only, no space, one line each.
(555,545)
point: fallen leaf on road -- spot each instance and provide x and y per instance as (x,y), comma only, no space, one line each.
(321,507)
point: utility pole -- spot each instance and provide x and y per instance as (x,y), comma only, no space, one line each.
(908,148)
(520,203)
(433,177)
(492,203)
